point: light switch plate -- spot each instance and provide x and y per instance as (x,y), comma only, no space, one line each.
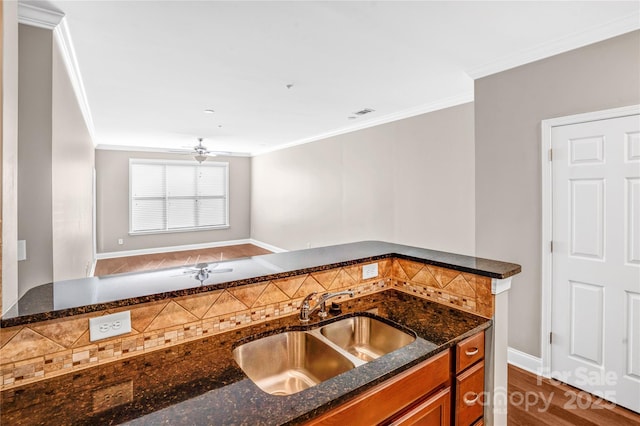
(22,250)
(109,325)
(369,271)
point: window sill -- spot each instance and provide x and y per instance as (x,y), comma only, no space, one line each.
(175,231)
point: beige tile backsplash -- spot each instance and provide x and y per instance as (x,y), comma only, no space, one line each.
(49,348)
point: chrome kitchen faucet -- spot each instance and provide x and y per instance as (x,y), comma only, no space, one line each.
(306,310)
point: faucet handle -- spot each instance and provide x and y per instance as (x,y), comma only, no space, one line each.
(308,297)
(305,308)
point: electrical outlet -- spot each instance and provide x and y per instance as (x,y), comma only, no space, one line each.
(369,271)
(120,241)
(22,250)
(109,325)
(112,396)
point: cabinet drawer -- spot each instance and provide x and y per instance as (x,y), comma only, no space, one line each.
(385,400)
(469,351)
(469,395)
(435,411)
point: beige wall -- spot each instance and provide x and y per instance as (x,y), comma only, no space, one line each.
(9,153)
(433,175)
(55,167)
(72,159)
(112,180)
(410,182)
(509,108)
(34,156)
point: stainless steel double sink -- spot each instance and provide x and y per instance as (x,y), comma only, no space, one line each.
(291,361)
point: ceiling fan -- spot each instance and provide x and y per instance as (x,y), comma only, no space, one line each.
(201,271)
(200,152)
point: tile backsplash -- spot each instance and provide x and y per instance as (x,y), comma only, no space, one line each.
(40,350)
(465,291)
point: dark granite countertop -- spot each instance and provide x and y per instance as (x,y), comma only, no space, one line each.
(199,383)
(74,297)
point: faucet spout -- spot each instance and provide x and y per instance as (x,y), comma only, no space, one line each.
(306,310)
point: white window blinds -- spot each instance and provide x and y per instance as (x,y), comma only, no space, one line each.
(169,196)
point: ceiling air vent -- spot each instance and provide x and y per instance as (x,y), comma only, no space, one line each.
(364,111)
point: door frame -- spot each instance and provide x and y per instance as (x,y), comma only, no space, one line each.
(547,215)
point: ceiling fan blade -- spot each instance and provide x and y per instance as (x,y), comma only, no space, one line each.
(199,149)
(220,271)
(181,274)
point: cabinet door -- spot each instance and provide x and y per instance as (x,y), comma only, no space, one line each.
(385,400)
(469,390)
(435,411)
(469,351)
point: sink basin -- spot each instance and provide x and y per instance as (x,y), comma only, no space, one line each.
(366,338)
(289,362)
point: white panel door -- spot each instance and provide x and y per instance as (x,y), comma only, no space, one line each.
(596,258)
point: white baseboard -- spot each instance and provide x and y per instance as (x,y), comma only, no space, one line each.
(525,361)
(139,252)
(267,246)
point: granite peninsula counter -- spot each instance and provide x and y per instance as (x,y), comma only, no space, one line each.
(198,383)
(176,365)
(92,294)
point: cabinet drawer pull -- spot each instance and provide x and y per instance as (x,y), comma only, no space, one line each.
(472,400)
(471,352)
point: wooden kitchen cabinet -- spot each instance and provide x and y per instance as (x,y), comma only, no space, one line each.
(469,351)
(395,397)
(435,411)
(469,383)
(469,393)
(444,390)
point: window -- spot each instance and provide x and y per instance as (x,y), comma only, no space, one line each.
(171,196)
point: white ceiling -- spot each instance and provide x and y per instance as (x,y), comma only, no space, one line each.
(150,68)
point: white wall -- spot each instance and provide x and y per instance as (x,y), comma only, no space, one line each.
(112,181)
(410,182)
(509,109)
(72,160)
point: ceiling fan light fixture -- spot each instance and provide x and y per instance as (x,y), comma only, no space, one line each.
(200,157)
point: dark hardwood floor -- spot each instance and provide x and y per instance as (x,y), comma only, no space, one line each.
(177,258)
(541,402)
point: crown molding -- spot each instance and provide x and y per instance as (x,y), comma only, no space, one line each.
(35,16)
(62,36)
(459,99)
(595,34)
(104,147)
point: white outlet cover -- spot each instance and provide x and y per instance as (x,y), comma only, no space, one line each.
(369,271)
(109,325)
(22,250)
